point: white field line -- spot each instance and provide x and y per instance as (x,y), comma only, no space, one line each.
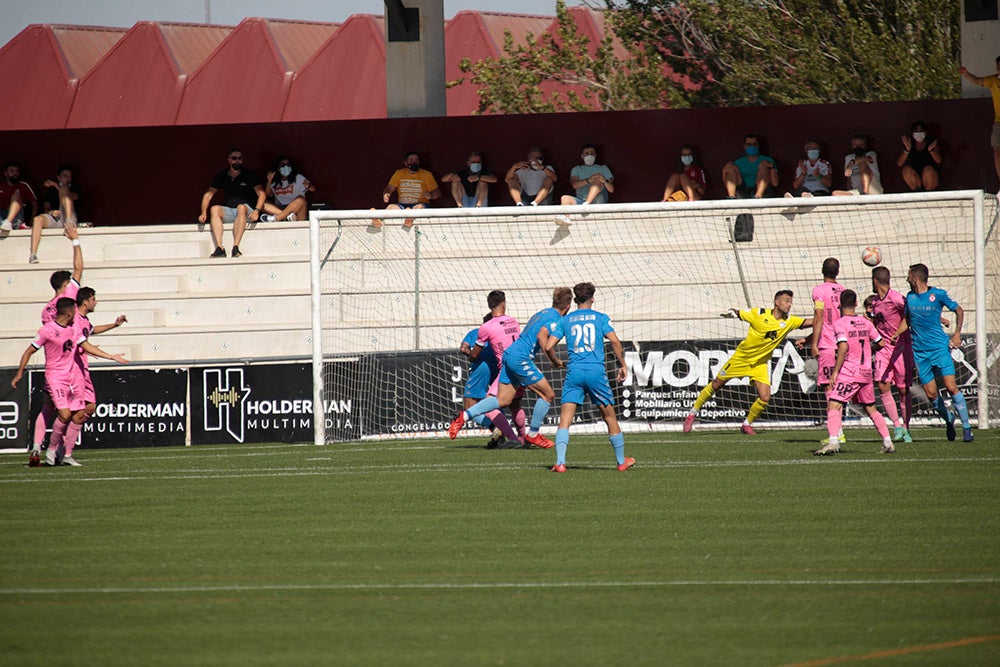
(133,474)
(500,585)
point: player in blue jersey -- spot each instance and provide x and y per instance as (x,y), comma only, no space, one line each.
(518,370)
(931,346)
(585,330)
(483,371)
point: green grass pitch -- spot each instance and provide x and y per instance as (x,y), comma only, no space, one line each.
(716,549)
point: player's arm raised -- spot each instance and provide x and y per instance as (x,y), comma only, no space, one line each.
(101,328)
(73,234)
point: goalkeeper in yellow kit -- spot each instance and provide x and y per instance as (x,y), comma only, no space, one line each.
(768,329)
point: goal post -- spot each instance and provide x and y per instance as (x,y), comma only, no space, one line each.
(391,303)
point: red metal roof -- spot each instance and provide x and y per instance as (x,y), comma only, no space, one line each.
(345,78)
(140,81)
(477,36)
(247,78)
(39,69)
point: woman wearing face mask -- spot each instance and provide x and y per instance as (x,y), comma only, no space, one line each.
(687,183)
(813,176)
(288,188)
(920,159)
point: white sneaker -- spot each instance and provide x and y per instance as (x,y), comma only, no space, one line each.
(291,217)
(520,203)
(32,258)
(888,449)
(70,461)
(266,217)
(534,203)
(827,449)
(6,226)
(50,457)
(563,221)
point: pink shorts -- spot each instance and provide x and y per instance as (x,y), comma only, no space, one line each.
(863,393)
(826,360)
(895,365)
(65,396)
(88,392)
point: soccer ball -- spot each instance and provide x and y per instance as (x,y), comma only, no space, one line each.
(871,256)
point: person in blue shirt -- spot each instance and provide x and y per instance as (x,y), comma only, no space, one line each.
(751,176)
(592,182)
(585,330)
(932,346)
(518,370)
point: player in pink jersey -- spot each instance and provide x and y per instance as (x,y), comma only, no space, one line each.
(498,333)
(852,376)
(893,361)
(826,311)
(60,339)
(64,284)
(86,303)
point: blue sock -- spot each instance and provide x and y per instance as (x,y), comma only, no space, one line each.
(562,442)
(618,442)
(488,404)
(482,420)
(963,410)
(942,409)
(538,415)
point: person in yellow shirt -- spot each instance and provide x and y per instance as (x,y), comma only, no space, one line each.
(992,83)
(768,329)
(414,187)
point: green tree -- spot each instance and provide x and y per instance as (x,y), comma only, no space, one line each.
(599,78)
(750,52)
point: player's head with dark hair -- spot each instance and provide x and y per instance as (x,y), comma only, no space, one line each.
(67,170)
(65,305)
(783,292)
(407,154)
(848,299)
(918,125)
(870,301)
(583,292)
(561,297)
(85,294)
(831,267)
(58,279)
(487,317)
(920,272)
(880,275)
(495,298)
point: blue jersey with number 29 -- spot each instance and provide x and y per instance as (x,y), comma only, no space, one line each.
(585,329)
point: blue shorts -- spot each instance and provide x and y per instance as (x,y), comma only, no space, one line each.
(591,382)
(469,201)
(478,383)
(229,213)
(933,363)
(602,198)
(520,372)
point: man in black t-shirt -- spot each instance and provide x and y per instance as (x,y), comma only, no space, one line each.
(470,187)
(243,197)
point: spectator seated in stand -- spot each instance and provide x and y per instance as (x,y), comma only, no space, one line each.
(687,183)
(531,180)
(288,188)
(592,182)
(920,160)
(813,175)
(17,200)
(861,167)
(470,188)
(751,176)
(58,208)
(414,187)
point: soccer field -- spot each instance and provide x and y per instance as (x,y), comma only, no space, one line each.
(716,549)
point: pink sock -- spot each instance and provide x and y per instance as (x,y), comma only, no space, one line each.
(880,425)
(500,421)
(58,434)
(44,421)
(889,403)
(72,433)
(519,421)
(834,418)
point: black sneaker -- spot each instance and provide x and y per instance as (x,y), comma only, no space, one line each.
(511,444)
(236,251)
(219,252)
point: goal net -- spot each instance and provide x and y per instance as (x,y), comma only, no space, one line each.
(391,304)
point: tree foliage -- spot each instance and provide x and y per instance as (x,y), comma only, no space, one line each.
(564,72)
(750,52)
(728,53)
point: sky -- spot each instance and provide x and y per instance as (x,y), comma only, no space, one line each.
(125,13)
